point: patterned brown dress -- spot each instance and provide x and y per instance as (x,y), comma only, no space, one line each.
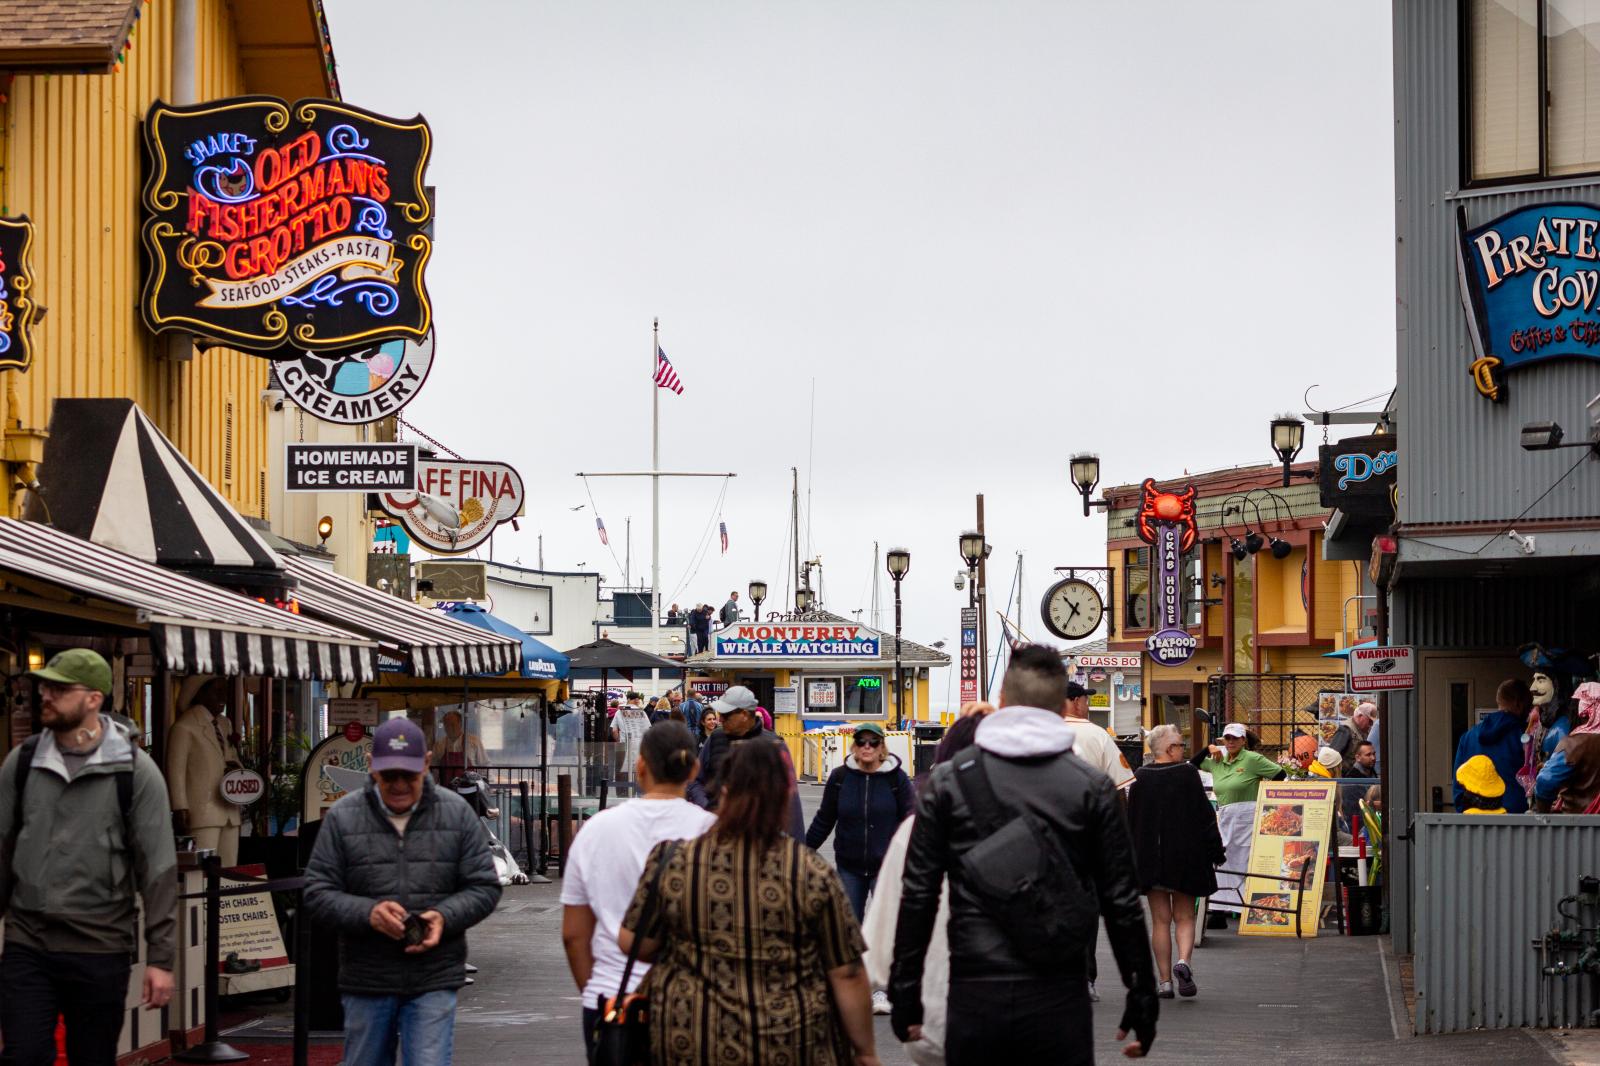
(748,940)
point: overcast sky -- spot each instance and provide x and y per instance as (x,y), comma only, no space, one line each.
(990,234)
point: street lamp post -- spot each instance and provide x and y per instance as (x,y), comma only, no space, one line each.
(758,594)
(1288,435)
(1085,468)
(802,600)
(899,563)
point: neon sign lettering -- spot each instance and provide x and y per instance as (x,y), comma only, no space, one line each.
(286,229)
(17,310)
(1356,467)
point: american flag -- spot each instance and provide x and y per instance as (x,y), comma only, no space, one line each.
(599,523)
(723,526)
(666,377)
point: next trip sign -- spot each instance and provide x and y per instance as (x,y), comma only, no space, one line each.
(286,229)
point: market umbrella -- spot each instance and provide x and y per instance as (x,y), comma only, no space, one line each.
(1344,653)
(539,660)
(604,654)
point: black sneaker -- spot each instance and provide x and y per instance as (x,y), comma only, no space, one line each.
(1185,978)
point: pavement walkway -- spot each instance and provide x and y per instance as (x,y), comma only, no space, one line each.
(1266,1000)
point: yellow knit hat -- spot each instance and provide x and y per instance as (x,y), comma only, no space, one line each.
(1478,776)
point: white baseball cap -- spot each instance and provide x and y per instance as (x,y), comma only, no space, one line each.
(1329,758)
(1235,729)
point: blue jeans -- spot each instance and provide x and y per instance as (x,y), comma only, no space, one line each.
(384,1030)
(857,887)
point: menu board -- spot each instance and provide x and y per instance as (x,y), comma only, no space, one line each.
(1294,822)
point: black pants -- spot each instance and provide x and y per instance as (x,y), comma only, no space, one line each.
(1033,1022)
(88,990)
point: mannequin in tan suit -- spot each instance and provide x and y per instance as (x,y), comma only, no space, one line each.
(199,752)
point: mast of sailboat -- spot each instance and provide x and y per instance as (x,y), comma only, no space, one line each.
(876,623)
(794,519)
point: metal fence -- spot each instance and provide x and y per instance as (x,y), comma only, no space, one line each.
(1485,896)
(1274,706)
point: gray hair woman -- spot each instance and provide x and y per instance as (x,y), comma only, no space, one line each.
(1175,843)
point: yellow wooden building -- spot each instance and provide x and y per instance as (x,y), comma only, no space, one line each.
(77,77)
(1264,619)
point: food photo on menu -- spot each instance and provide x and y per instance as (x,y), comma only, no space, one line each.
(1282,820)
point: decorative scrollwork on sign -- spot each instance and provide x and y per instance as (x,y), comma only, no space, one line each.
(286,223)
(17,309)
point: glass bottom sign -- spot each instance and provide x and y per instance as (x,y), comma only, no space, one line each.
(1382,669)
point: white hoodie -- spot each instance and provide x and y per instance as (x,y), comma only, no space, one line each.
(1025,732)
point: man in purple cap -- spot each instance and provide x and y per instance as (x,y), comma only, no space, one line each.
(401,925)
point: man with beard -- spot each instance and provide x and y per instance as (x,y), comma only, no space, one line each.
(69,796)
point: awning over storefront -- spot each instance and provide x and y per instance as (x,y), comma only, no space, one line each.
(110,476)
(538,658)
(194,627)
(432,644)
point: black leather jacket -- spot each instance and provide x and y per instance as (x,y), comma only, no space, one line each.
(1082,805)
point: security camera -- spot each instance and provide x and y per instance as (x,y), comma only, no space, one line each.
(961,580)
(273,398)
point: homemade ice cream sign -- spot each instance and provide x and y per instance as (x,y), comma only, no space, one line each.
(17,309)
(1166,522)
(1530,281)
(457,503)
(796,641)
(282,229)
(350,468)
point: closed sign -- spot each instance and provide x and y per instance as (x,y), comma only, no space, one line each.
(242,787)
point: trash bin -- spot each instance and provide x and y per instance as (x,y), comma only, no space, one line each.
(1363,914)
(1132,749)
(926,739)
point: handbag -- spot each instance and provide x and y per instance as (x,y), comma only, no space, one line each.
(622,1033)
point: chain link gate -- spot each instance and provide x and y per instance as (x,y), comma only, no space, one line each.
(1275,707)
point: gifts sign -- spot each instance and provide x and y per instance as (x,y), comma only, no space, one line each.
(284,229)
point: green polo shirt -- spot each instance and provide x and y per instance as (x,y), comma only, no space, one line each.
(1237,781)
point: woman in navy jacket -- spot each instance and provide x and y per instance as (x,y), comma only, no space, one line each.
(865,800)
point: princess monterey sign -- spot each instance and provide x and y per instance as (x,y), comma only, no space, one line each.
(286,229)
(1530,281)
(795,640)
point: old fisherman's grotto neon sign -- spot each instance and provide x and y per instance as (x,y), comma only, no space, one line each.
(286,229)
(1530,281)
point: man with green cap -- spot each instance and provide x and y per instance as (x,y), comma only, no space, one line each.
(84,826)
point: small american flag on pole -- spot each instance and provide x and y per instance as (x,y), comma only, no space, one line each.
(600,524)
(666,377)
(723,527)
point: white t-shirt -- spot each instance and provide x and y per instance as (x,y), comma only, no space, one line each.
(603,871)
(1094,745)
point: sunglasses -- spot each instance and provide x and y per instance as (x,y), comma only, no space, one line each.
(868,742)
(394,777)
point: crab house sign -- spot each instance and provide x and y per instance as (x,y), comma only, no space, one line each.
(283,229)
(1166,522)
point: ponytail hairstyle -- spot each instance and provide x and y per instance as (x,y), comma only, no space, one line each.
(668,749)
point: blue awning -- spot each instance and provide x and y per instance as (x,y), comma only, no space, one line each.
(1344,653)
(539,660)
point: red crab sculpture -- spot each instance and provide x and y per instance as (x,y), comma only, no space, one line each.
(1177,507)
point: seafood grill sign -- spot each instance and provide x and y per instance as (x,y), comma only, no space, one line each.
(1530,281)
(283,229)
(17,310)
(1166,521)
(795,641)
(457,503)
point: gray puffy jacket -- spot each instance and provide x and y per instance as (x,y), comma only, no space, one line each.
(441,864)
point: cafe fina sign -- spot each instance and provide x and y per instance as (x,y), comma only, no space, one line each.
(795,641)
(1530,282)
(283,229)
(458,503)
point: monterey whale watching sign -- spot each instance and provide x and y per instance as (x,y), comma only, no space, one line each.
(803,640)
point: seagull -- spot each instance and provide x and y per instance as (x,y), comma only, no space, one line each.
(580,507)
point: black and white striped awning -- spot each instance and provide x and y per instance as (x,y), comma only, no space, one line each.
(434,645)
(194,627)
(110,476)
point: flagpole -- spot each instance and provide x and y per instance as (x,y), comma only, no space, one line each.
(655,504)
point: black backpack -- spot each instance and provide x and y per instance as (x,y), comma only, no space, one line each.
(25,766)
(1022,876)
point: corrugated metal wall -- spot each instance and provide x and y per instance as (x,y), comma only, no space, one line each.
(72,163)
(1469,467)
(1485,890)
(1500,612)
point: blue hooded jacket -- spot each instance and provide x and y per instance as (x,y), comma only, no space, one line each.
(1499,736)
(862,810)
